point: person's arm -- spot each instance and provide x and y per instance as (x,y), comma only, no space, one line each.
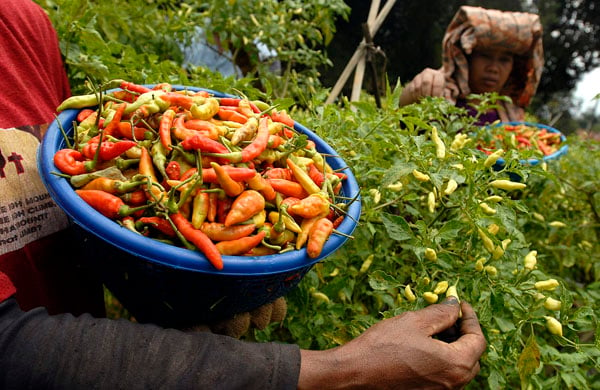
(430,82)
(66,352)
(401,352)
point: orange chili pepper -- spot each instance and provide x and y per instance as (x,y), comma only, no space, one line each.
(164,128)
(231,115)
(288,188)
(231,187)
(219,232)
(311,206)
(241,245)
(146,168)
(319,233)
(260,184)
(245,206)
(278,173)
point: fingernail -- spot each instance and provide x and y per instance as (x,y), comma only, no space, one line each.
(450,301)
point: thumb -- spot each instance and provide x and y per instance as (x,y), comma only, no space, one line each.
(436,318)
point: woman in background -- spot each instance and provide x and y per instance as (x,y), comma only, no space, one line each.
(485,50)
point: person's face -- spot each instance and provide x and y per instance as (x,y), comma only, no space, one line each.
(489,70)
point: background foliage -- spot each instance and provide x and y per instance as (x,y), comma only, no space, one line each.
(557,214)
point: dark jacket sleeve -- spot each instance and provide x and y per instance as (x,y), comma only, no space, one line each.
(66,352)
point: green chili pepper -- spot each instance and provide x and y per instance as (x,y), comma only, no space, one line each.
(78,101)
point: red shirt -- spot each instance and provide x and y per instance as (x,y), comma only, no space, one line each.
(36,246)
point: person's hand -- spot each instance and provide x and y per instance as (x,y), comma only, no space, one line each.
(402,352)
(430,82)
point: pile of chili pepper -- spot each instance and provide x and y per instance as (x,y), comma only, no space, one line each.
(225,176)
(521,136)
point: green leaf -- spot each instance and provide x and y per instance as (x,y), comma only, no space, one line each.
(397,227)
(379,280)
(398,171)
(529,360)
(449,231)
(504,324)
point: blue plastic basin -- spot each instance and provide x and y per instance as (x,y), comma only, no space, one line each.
(174,286)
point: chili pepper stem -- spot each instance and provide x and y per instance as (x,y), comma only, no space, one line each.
(271,246)
(342,234)
(64,133)
(64,175)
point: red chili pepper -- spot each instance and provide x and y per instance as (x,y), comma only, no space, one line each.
(235,102)
(109,205)
(316,175)
(275,141)
(124,131)
(199,239)
(283,117)
(203,143)
(83,114)
(208,128)
(167,87)
(245,206)
(124,96)
(278,173)
(173,170)
(319,233)
(231,115)
(112,126)
(289,201)
(209,175)
(523,140)
(288,188)
(253,150)
(223,207)
(164,128)
(70,161)
(135,198)
(129,86)
(229,101)
(544,147)
(219,232)
(108,150)
(179,130)
(259,144)
(213,199)
(338,221)
(341,175)
(178,99)
(158,223)
(241,245)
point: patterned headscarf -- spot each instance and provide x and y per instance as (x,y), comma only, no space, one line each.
(517,32)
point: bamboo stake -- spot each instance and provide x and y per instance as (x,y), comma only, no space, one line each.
(359,73)
(360,52)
